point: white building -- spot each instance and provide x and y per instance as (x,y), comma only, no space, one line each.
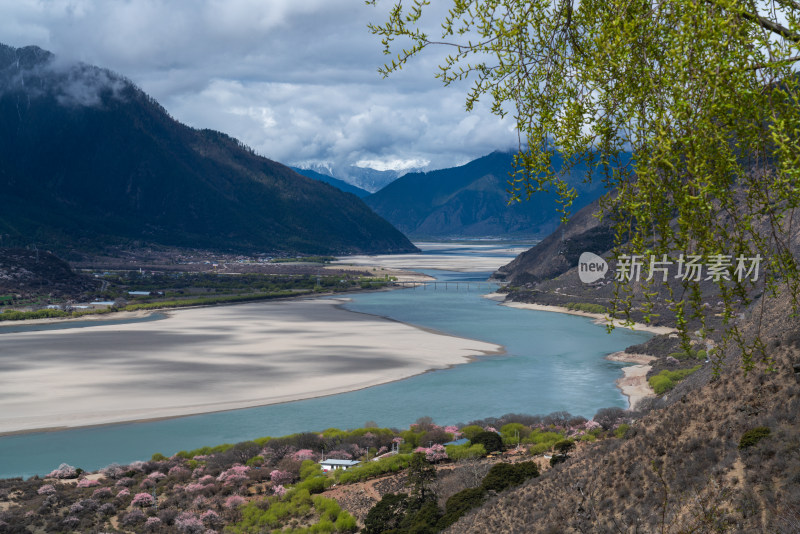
(330,465)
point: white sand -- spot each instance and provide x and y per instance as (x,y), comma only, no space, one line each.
(480,260)
(598,317)
(209,359)
(633,383)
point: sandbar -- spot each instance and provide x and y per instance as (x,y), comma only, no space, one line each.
(473,258)
(633,383)
(599,318)
(208,359)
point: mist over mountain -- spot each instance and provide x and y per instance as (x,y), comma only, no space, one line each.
(370,180)
(90,161)
(335,182)
(472,200)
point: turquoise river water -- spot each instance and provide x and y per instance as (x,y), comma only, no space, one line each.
(552,362)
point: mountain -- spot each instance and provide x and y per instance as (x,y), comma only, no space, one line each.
(89,161)
(29,273)
(365,178)
(335,182)
(472,200)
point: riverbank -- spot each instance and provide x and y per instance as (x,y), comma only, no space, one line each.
(633,383)
(599,318)
(209,359)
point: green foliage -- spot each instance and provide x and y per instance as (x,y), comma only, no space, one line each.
(666,380)
(421,475)
(305,259)
(207,301)
(470,431)
(205,451)
(622,430)
(255,461)
(411,439)
(12,315)
(562,450)
(514,433)
(753,436)
(465,451)
(158,457)
(503,475)
(310,468)
(542,441)
(461,503)
(690,354)
(491,441)
(587,307)
(313,484)
(387,514)
(390,464)
(703,94)
(257,518)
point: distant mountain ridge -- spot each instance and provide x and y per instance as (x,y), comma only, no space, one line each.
(472,201)
(90,161)
(335,182)
(370,180)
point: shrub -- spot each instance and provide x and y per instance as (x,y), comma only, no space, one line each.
(63,471)
(587,307)
(471,431)
(387,514)
(753,436)
(234,501)
(134,517)
(562,449)
(390,464)
(608,417)
(47,489)
(152,524)
(491,441)
(514,433)
(189,523)
(622,430)
(465,451)
(666,380)
(143,499)
(502,476)
(459,504)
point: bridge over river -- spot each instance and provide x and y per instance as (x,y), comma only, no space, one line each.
(446,285)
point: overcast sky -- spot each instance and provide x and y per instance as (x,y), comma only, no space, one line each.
(295,79)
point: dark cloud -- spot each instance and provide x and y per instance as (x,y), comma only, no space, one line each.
(295,80)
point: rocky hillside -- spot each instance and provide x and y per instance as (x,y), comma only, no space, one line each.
(25,273)
(695,463)
(718,453)
(90,162)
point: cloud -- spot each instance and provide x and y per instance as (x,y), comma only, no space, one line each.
(297,81)
(70,83)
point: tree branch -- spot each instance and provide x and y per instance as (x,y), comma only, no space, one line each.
(772,26)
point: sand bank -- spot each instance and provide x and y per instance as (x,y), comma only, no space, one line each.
(473,258)
(599,318)
(633,383)
(112,316)
(203,360)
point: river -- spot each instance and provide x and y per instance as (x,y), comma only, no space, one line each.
(553,362)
